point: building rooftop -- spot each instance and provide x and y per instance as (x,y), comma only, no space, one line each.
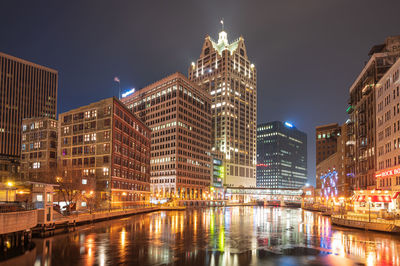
(28,63)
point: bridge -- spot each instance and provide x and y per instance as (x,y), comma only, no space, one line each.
(267,196)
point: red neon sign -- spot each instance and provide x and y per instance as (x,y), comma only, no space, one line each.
(263,165)
(391,172)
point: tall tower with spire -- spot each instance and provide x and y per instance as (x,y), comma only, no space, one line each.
(225,71)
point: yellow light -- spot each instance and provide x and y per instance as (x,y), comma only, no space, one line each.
(124,194)
(91,192)
(10,184)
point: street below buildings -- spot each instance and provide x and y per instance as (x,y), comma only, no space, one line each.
(243,235)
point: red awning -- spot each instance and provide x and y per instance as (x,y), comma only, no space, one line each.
(381,199)
(395,195)
(361,198)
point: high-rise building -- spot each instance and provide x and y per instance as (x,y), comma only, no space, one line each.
(362,111)
(26,90)
(326,141)
(388,130)
(105,144)
(179,115)
(39,149)
(281,156)
(226,73)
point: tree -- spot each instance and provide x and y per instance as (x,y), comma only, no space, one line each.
(90,199)
(73,186)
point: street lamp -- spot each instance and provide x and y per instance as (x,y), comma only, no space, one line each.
(369,209)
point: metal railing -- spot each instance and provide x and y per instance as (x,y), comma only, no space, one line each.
(369,220)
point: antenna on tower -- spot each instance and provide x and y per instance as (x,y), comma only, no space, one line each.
(222,23)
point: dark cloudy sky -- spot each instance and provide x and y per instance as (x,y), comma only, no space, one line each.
(307,52)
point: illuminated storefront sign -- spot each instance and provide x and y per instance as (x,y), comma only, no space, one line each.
(391,172)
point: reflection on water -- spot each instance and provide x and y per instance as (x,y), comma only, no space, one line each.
(216,236)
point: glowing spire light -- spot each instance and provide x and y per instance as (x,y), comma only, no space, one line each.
(222,24)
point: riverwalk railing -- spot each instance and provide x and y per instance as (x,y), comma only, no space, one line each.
(363,219)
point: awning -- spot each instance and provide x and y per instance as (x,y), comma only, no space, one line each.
(395,195)
(360,198)
(381,199)
(354,197)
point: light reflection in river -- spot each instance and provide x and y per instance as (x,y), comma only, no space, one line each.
(216,236)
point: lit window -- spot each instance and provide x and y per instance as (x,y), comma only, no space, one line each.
(105,171)
(84,181)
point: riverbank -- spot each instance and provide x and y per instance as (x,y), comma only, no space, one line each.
(67,223)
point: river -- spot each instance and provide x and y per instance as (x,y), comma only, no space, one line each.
(216,236)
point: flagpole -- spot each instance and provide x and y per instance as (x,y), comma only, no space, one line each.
(117,80)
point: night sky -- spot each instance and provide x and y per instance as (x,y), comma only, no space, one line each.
(307,53)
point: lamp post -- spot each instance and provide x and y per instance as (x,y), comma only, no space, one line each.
(369,210)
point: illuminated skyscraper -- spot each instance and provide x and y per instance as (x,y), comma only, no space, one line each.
(225,71)
(26,90)
(281,156)
(179,116)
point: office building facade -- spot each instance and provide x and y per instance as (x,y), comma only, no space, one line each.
(105,144)
(39,149)
(26,90)
(179,115)
(281,156)
(224,71)
(326,141)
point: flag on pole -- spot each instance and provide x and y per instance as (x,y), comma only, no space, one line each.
(116,79)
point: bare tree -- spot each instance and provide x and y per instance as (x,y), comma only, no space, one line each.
(73,187)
